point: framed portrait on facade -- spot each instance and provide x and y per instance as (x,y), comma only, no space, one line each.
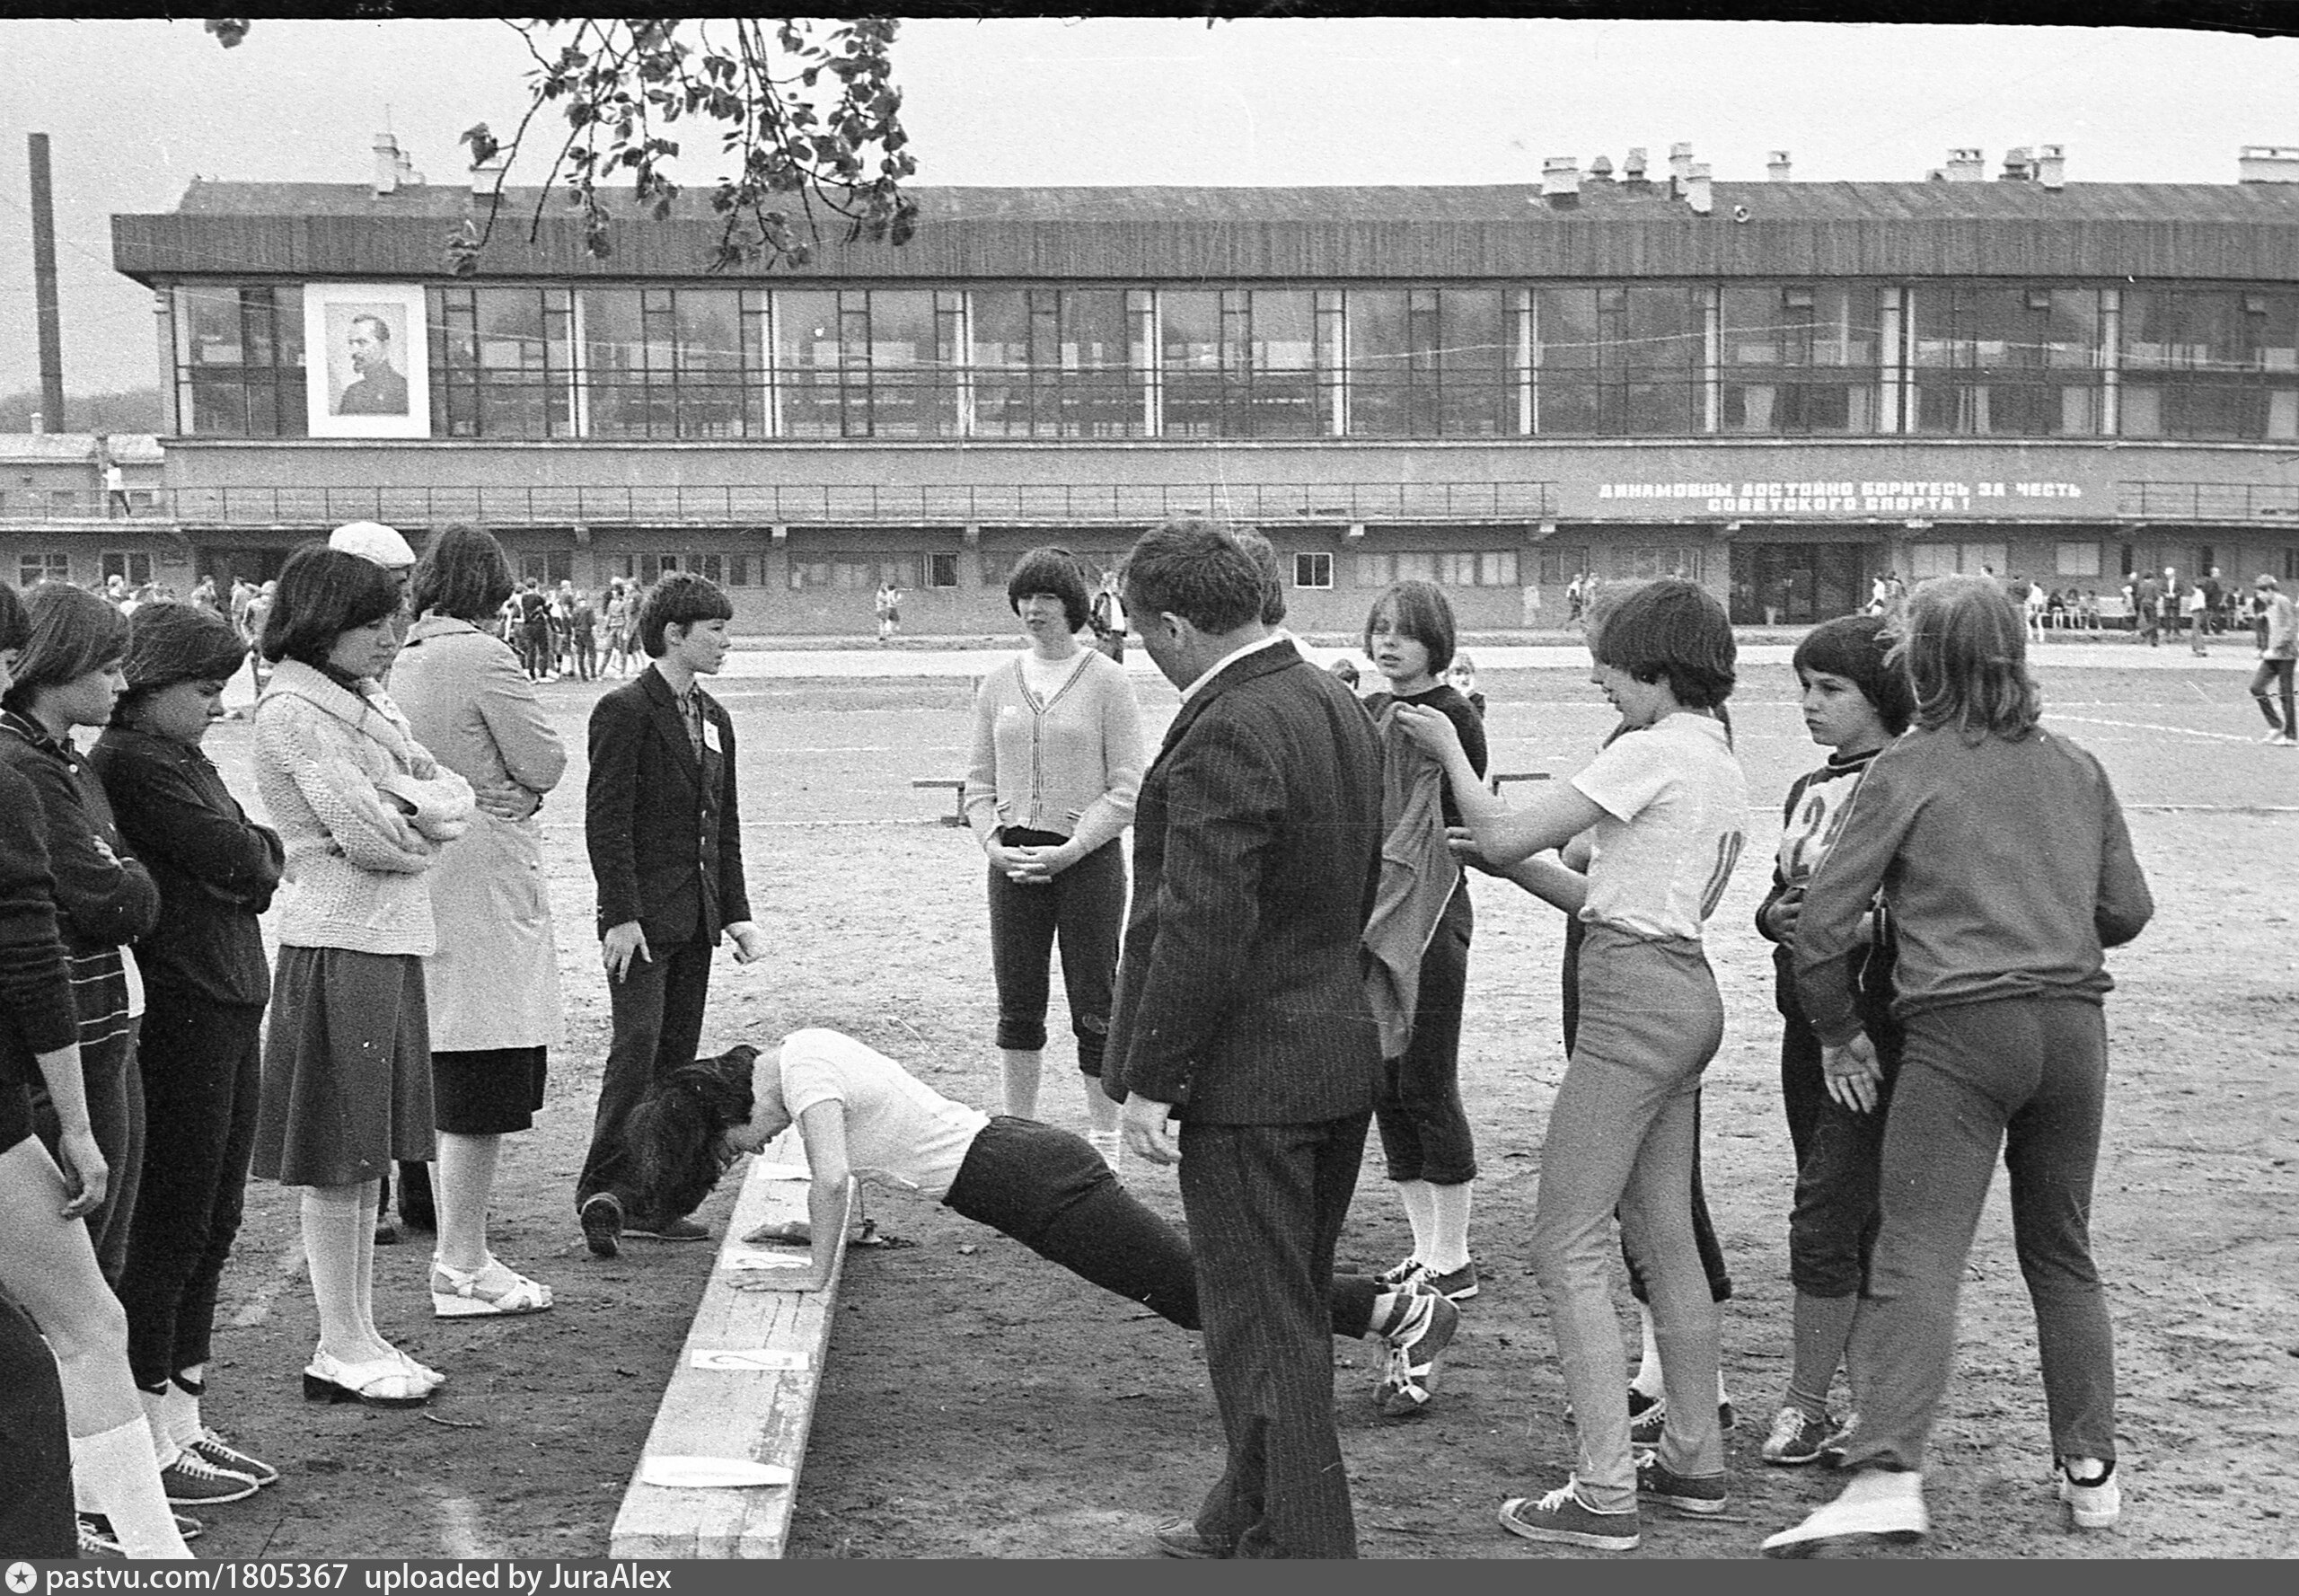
(368,355)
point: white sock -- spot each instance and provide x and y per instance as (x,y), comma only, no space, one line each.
(122,1483)
(1648,1381)
(1384,1310)
(1110,1144)
(182,1409)
(1420,1212)
(1449,1231)
(164,1445)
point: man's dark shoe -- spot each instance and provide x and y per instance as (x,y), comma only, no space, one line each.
(665,1230)
(1178,1538)
(601,1217)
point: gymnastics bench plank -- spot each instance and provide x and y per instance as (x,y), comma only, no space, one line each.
(759,1414)
(1502,777)
(958,786)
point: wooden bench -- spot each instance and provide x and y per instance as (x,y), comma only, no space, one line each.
(762,1413)
(958,786)
(1500,778)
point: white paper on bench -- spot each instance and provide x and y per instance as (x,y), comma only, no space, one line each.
(748,1359)
(678,1473)
(767,1260)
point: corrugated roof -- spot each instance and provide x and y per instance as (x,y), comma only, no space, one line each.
(1764,201)
(2224,232)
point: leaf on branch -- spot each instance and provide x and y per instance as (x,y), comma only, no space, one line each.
(804,107)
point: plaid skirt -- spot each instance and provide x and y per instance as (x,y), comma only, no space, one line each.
(346,1068)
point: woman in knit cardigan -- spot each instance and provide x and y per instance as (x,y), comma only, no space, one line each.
(1056,762)
(46,1262)
(363,809)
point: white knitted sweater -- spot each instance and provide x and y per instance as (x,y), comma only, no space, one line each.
(354,864)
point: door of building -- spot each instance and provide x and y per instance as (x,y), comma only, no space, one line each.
(1797,584)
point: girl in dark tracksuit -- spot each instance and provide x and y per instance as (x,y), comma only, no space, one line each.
(205,985)
(2005,865)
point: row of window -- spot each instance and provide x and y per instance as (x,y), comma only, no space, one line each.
(1314,570)
(1621,359)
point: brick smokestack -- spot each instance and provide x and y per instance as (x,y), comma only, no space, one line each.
(51,319)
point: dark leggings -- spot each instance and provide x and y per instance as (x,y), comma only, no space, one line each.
(1050,1192)
(1084,907)
(36,1507)
(1424,1131)
(202,1068)
(2274,676)
(1703,1232)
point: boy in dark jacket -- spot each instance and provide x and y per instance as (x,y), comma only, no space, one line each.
(666,851)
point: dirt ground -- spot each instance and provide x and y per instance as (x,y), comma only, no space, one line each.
(979,1402)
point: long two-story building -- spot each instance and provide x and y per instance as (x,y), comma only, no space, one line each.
(1780,388)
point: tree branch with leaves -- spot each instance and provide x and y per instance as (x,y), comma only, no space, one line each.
(805,111)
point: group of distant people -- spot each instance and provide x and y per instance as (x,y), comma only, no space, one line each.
(564,633)
(1287,970)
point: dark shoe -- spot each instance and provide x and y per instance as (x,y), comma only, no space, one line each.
(665,1230)
(1178,1538)
(219,1451)
(1457,1286)
(386,1232)
(1657,1483)
(1648,1415)
(192,1481)
(1428,1328)
(1562,1518)
(1797,1438)
(601,1217)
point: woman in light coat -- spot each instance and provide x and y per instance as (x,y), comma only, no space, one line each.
(493,983)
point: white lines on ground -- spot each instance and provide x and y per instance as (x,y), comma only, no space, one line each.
(460,1535)
(286,1266)
(2182,731)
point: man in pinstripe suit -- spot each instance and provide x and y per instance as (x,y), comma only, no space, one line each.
(1240,1013)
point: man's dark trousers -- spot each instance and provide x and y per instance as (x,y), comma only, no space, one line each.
(658,1008)
(1266,1204)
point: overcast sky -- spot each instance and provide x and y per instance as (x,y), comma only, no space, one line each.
(135,109)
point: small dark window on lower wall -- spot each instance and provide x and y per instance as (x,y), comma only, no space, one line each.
(941,570)
(1313,571)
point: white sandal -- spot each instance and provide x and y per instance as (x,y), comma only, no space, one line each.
(504,1290)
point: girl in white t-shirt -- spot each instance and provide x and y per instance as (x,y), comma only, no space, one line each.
(862,1116)
(1668,809)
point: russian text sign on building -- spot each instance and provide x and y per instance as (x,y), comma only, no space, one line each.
(1850,496)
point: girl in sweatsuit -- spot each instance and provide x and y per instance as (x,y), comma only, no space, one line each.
(2006,867)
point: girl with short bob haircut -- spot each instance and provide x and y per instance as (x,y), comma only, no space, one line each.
(2006,867)
(68,675)
(1420,928)
(1055,763)
(363,809)
(1668,805)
